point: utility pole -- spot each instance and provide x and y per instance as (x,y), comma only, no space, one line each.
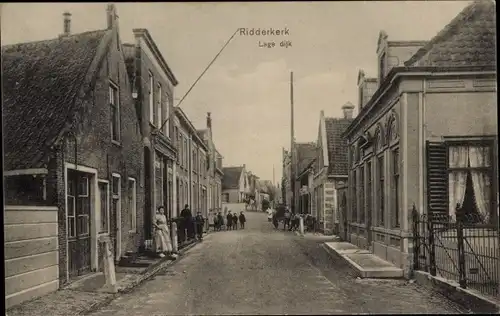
(292,145)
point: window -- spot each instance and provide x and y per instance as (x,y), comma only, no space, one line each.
(104,198)
(83,187)
(167,114)
(151,99)
(159,107)
(225,197)
(159,170)
(132,204)
(470,171)
(71,200)
(361,195)
(369,186)
(381,190)
(116,185)
(115,112)
(382,68)
(186,154)
(395,187)
(354,212)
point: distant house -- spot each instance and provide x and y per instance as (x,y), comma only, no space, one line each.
(235,185)
(70,120)
(306,157)
(330,170)
(427,136)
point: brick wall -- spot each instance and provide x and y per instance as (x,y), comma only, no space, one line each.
(95,149)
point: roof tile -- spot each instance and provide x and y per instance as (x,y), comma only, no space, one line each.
(231,178)
(337,146)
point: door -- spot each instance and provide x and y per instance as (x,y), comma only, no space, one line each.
(78,197)
(343,209)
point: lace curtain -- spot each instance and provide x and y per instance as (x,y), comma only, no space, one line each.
(473,157)
(458,158)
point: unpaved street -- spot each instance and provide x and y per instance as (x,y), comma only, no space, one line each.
(262,271)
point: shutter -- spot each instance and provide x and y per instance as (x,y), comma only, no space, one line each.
(437,179)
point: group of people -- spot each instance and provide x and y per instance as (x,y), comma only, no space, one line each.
(231,221)
(292,221)
(162,240)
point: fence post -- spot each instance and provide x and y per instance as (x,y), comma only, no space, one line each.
(416,239)
(432,248)
(460,249)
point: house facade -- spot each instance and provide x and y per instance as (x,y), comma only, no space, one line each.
(330,172)
(84,139)
(254,195)
(400,152)
(153,85)
(235,185)
(192,173)
(306,156)
(214,167)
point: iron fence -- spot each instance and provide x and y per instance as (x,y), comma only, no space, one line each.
(461,248)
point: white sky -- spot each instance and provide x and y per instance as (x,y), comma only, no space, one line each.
(247,88)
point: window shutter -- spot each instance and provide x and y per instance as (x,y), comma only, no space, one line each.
(437,179)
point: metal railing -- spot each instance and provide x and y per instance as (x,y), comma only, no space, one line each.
(463,249)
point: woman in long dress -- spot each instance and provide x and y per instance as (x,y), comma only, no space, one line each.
(162,233)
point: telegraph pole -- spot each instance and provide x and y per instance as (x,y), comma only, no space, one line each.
(292,145)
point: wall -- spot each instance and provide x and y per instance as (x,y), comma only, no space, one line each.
(233,207)
(31,256)
(94,149)
(234,195)
(466,113)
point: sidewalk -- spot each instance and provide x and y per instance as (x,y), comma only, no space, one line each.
(86,294)
(366,264)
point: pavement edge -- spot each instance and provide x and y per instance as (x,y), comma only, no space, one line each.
(142,278)
(474,302)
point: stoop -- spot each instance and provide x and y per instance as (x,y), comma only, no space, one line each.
(366,264)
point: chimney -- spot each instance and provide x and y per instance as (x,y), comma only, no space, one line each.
(209,120)
(67,24)
(348,110)
(110,16)
(322,113)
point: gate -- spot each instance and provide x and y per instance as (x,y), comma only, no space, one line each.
(462,249)
(78,220)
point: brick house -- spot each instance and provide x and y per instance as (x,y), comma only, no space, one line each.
(191,171)
(330,171)
(70,118)
(215,173)
(306,158)
(153,85)
(429,128)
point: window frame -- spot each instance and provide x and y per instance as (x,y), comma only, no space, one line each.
(108,206)
(73,217)
(85,180)
(492,171)
(159,106)
(114,103)
(151,99)
(395,187)
(381,190)
(132,204)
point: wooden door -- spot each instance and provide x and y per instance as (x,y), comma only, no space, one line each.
(78,222)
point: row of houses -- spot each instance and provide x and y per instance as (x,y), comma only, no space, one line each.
(240,186)
(425,136)
(92,146)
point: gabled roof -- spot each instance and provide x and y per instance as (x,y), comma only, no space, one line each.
(306,153)
(231,178)
(337,146)
(468,40)
(41,83)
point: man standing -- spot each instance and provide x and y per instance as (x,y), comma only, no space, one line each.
(242,220)
(229,219)
(220,221)
(200,221)
(286,220)
(187,219)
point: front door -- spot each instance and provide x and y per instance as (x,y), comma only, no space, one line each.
(78,197)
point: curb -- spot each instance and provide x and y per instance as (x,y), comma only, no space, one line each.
(165,262)
(336,255)
(476,303)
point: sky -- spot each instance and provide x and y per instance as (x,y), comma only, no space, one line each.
(247,89)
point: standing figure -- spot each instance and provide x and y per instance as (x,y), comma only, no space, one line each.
(220,221)
(286,220)
(229,221)
(235,220)
(216,222)
(162,234)
(200,221)
(242,220)
(187,220)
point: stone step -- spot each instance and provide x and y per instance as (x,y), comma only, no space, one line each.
(363,261)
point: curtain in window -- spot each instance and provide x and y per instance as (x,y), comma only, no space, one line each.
(479,157)
(458,158)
